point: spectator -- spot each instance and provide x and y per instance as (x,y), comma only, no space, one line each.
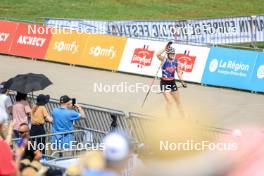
(30,152)
(92,160)
(63,118)
(113,126)
(7,164)
(73,171)
(39,117)
(5,102)
(21,112)
(116,153)
(28,168)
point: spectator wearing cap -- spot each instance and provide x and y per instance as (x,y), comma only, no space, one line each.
(117,150)
(116,153)
(63,118)
(39,117)
(21,112)
(5,102)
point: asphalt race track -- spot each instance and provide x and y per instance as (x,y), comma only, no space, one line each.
(225,107)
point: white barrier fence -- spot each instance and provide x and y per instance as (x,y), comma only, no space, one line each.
(203,31)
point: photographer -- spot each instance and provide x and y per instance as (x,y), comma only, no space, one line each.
(63,118)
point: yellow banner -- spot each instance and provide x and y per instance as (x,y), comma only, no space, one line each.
(66,47)
(103,51)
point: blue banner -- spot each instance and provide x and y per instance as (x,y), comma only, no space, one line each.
(229,68)
(257,80)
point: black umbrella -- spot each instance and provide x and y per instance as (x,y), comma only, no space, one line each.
(26,83)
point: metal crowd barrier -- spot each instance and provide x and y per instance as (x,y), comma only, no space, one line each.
(83,139)
(98,120)
(140,123)
(91,135)
(96,125)
(44,142)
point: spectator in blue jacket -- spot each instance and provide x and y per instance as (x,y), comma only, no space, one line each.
(63,118)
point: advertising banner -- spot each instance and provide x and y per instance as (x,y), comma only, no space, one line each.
(214,31)
(7,33)
(258,28)
(229,68)
(66,47)
(103,51)
(140,58)
(191,60)
(257,79)
(31,41)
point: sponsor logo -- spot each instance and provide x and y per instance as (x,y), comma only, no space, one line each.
(98,51)
(233,65)
(29,40)
(229,67)
(3,36)
(185,61)
(260,72)
(68,47)
(142,56)
(213,65)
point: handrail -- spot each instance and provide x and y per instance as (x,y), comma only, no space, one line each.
(151,117)
(93,107)
(90,129)
(52,134)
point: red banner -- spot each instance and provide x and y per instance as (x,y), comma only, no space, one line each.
(31,41)
(7,33)
(186,62)
(142,56)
